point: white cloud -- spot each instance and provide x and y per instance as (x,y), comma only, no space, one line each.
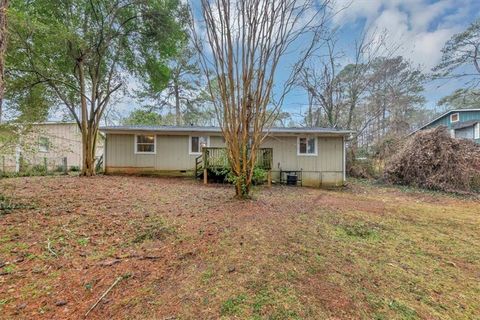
(420,28)
(351,10)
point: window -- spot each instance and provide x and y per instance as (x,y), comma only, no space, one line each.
(43,144)
(307,146)
(454,117)
(145,143)
(197,143)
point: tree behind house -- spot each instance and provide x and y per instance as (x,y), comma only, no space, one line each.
(183,89)
(375,97)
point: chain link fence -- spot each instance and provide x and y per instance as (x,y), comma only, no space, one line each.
(18,165)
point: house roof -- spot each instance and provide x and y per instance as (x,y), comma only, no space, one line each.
(445,114)
(465,124)
(54,122)
(190,129)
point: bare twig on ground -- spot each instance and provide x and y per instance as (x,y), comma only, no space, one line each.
(120,278)
(49,247)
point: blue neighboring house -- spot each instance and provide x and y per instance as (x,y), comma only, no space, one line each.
(462,123)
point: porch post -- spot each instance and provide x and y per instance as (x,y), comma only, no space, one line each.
(205,176)
(269,178)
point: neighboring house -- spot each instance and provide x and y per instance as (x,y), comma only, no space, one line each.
(316,156)
(50,143)
(462,123)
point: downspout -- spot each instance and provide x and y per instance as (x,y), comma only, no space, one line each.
(105,153)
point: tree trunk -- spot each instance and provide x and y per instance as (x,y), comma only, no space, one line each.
(88,168)
(178,115)
(86,129)
(353,104)
(3,46)
(239,193)
(242,187)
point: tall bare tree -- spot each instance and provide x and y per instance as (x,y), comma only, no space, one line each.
(247,39)
(324,87)
(334,89)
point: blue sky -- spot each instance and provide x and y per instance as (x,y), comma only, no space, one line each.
(419,28)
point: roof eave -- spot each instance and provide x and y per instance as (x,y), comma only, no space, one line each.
(218,131)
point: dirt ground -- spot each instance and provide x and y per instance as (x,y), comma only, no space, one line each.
(176,249)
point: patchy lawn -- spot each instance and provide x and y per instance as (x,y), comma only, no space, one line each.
(181,250)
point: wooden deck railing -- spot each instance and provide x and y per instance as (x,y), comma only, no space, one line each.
(215,158)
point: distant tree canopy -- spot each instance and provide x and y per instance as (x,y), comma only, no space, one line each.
(461,56)
(375,98)
(78,55)
(461,99)
(199,116)
(144,117)
(183,93)
(461,60)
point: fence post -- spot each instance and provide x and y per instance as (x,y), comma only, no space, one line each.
(65,166)
(45,164)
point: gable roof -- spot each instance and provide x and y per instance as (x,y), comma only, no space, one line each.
(443,115)
(191,129)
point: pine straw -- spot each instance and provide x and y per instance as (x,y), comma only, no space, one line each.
(431,159)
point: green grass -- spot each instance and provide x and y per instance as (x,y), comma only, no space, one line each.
(151,229)
(233,306)
(9,268)
(83,241)
(359,231)
(403,311)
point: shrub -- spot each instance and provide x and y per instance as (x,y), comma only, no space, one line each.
(259,176)
(431,159)
(362,168)
(38,169)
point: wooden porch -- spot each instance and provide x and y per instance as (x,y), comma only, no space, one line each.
(213,158)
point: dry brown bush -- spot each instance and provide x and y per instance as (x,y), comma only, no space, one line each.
(432,159)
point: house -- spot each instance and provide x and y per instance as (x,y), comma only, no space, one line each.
(462,123)
(54,144)
(307,156)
